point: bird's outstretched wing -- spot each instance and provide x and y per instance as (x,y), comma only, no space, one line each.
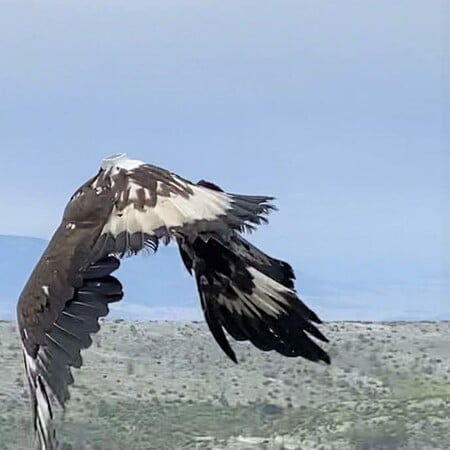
(60,305)
(153,204)
(250,295)
(52,347)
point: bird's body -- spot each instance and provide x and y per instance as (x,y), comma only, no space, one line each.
(127,207)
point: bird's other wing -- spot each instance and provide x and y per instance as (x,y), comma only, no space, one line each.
(60,305)
(252,296)
(151,203)
(59,270)
(51,348)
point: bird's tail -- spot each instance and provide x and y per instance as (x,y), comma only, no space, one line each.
(252,296)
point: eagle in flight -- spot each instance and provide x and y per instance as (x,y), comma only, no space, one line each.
(129,206)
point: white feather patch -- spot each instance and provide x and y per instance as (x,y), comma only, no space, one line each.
(267,284)
(267,288)
(42,413)
(261,298)
(169,212)
(120,161)
(30,363)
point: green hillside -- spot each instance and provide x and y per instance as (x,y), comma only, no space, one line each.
(162,386)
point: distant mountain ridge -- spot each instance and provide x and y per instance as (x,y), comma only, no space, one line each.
(149,280)
(158,287)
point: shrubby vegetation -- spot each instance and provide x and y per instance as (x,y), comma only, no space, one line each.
(163,386)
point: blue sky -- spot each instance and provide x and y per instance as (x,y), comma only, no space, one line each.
(339,109)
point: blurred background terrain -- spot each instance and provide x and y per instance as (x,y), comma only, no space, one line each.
(157,386)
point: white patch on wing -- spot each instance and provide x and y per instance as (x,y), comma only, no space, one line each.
(260,300)
(42,413)
(46,290)
(265,289)
(267,284)
(30,362)
(173,211)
